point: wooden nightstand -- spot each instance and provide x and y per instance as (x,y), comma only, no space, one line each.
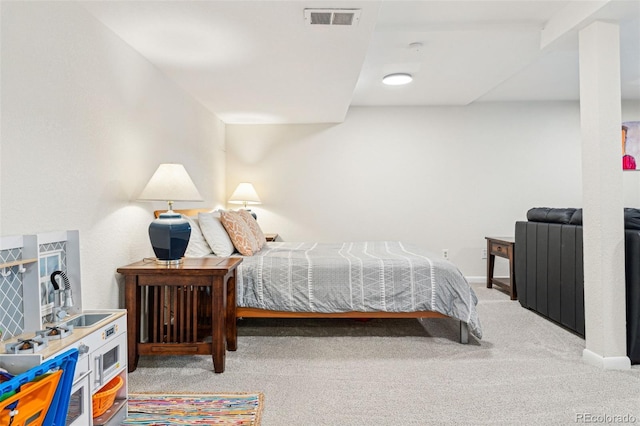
(166,300)
(502,247)
(271,237)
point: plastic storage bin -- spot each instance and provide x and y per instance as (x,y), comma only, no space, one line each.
(39,396)
(106,396)
(29,406)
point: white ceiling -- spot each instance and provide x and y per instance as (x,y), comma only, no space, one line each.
(259,62)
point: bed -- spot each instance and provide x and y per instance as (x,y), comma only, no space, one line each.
(376,279)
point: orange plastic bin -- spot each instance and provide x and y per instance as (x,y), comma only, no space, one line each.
(29,406)
(39,396)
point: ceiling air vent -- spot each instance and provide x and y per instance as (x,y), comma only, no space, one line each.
(343,17)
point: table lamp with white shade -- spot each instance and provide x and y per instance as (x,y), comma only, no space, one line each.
(170,232)
(245,194)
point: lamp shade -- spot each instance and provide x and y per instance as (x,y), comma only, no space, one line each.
(170,182)
(170,232)
(245,194)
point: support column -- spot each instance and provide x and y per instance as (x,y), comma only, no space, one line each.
(603,227)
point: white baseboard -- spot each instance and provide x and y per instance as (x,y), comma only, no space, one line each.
(477,280)
(606,362)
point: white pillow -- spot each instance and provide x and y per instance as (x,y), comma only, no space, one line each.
(198,246)
(215,234)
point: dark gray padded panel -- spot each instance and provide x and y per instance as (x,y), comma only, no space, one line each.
(579,282)
(520,259)
(554,262)
(542,260)
(632,273)
(568,277)
(532,260)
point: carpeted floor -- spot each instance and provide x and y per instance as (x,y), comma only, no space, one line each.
(525,370)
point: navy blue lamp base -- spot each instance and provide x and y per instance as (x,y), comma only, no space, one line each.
(169,235)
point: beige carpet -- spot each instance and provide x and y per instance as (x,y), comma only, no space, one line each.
(525,370)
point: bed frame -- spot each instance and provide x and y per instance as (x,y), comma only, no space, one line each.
(263,313)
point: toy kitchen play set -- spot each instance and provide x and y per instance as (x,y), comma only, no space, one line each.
(42,323)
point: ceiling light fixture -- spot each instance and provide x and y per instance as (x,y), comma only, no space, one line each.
(397,79)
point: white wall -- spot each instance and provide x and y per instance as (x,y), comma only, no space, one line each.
(439,177)
(85,122)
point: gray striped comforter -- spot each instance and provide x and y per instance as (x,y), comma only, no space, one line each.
(387,276)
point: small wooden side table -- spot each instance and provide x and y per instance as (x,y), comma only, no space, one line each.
(271,237)
(171,302)
(502,247)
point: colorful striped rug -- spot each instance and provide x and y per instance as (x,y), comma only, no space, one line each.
(232,409)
